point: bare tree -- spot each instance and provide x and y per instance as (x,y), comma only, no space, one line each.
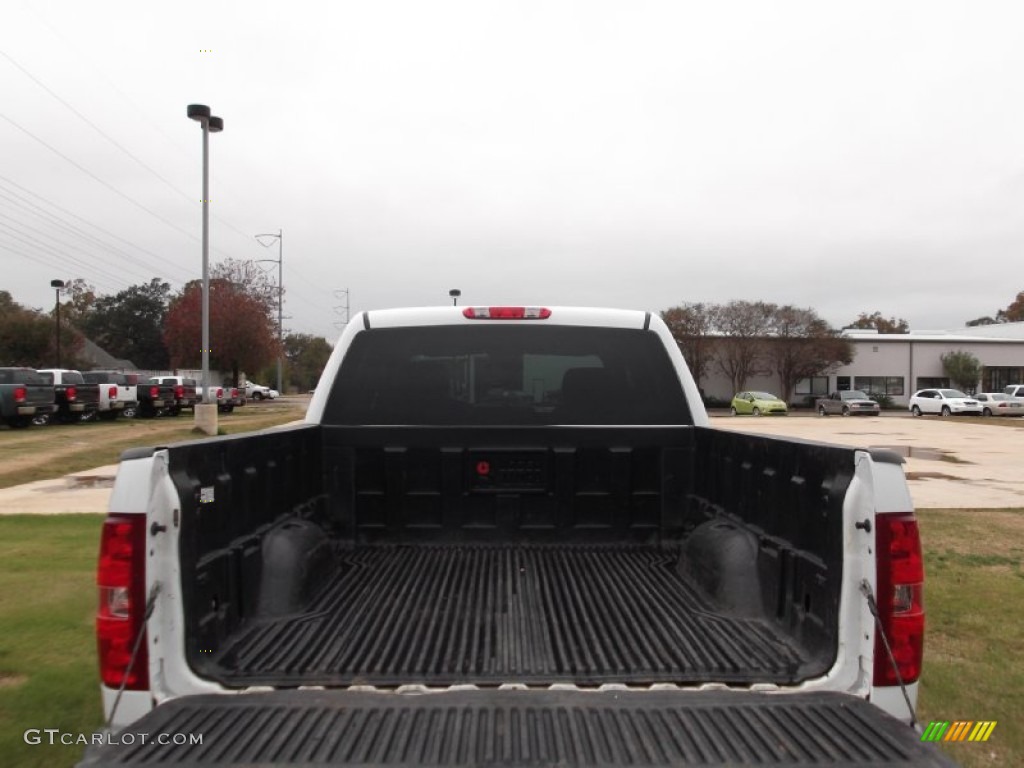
(802,345)
(743,326)
(692,326)
(252,280)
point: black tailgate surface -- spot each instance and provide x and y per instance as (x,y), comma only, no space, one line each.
(521,728)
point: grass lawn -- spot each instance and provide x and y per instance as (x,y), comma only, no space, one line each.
(42,453)
(974,643)
(974,652)
(48,672)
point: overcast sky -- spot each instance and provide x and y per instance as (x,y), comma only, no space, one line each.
(847,157)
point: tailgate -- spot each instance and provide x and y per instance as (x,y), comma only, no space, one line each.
(519,728)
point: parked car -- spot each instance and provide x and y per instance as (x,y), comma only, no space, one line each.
(156,399)
(127,389)
(852,402)
(944,402)
(235,397)
(1014,390)
(758,404)
(260,392)
(25,397)
(76,400)
(1000,404)
(111,404)
(215,395)
(186,394)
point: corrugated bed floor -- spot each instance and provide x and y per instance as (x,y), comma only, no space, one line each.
(484,614)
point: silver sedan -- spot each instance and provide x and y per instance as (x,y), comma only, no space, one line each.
(1000,404)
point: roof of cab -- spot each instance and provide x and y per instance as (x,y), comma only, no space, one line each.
(420,316)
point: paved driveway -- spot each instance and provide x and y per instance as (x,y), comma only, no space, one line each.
(950,462)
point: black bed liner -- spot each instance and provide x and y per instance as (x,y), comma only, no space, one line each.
(495,614)
(520,728)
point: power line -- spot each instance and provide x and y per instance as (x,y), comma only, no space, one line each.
(59,265)
(38,232)
(71,258)
(20,199)
(87,240)
(95,127)
(96,178)
(101,132)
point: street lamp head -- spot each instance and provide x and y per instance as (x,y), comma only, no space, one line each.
(57,284)
(198,112)
(216,125)
(454,293)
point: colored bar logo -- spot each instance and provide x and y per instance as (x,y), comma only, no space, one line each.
(959,730)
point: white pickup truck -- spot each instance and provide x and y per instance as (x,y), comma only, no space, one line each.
(509,536)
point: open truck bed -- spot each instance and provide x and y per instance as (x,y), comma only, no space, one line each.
(488,614)
(453,556)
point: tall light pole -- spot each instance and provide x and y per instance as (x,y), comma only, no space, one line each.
(280,296)
(455,293)
(201,113)
(57,285)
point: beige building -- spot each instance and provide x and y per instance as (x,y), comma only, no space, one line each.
(897,365)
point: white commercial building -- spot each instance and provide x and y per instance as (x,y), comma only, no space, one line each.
(899,364)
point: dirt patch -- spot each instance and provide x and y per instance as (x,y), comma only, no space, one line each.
(930,476)
(12,681)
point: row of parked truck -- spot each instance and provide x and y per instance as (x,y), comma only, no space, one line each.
(29,396)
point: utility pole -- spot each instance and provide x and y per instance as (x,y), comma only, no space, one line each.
(280,298)
(201,113)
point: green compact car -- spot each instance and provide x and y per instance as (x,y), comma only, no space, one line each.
(758,404)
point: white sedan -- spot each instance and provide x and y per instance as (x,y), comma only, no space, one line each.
(944,402)
(1000,404)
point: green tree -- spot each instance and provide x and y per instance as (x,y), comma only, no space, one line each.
(963,369)
(305,356)
(27,337)
(130,324)
(693,327)
(802,345)
(879,323)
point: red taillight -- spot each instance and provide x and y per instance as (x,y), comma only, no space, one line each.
(20,394)
(179,392)
(234,393)
(121,577)
(900,597)
(112,393)
(71,393)
(506,313)
(154,392)
(220,394)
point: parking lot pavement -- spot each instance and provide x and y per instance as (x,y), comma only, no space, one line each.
(80,492)
(950,463)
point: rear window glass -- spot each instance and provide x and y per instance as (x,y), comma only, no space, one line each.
(72,377)
(506,375)
(22,376)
